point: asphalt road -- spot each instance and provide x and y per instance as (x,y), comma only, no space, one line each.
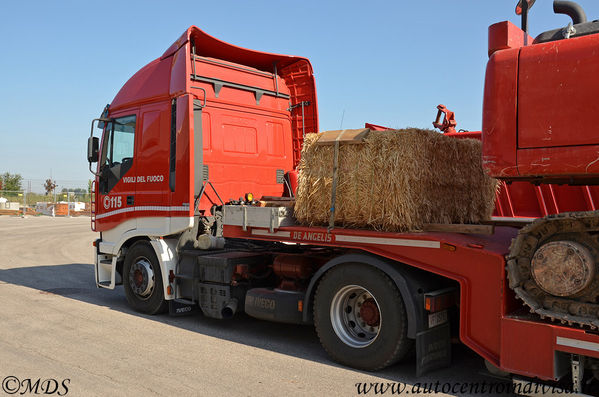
(55,324)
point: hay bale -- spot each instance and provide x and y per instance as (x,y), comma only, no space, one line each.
(395,180)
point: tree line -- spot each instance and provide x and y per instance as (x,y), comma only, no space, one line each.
(14,183)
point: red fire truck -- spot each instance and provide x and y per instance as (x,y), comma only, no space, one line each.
(196,136)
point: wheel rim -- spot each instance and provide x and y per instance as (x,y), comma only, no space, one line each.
(355,316)
(141,278)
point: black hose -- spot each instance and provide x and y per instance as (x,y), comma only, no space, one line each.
(572,9)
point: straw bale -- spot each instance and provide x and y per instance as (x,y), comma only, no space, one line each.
(395,180)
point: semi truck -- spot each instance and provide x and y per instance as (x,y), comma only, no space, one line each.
(195,173)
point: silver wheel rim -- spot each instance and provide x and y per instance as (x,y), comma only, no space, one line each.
(352,316)
(141,278)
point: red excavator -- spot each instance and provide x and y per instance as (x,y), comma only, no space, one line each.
(539,126)
(539,138)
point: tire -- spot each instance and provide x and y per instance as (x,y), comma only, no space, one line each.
(359,338)
(142,279)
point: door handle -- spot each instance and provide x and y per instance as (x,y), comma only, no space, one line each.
(130,200)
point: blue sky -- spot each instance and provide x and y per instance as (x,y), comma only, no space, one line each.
(384,62)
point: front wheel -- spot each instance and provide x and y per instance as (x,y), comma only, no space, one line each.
(142,279)
(360,317)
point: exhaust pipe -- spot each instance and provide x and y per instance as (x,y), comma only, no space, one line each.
(571,9)
(229,310)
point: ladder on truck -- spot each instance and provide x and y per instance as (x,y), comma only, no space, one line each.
(92,205)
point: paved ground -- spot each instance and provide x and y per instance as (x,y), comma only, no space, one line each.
(55,324)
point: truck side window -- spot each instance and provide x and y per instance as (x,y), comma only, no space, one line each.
(117,151)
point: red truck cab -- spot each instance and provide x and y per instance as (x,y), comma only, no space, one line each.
(205,112)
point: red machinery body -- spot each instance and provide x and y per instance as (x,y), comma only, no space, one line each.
(206,111)
(522,199)
(530,132)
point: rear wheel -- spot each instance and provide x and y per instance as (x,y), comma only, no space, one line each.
(360,317)
(142,279)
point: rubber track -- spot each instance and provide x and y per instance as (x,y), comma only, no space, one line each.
(580,309)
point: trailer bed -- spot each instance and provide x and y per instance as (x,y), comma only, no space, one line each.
(491,319)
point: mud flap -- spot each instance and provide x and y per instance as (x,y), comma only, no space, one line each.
(433,349)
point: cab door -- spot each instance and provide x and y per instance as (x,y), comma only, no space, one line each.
(117,173)
(152,158)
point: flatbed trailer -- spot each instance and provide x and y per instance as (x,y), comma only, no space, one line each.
(492,322)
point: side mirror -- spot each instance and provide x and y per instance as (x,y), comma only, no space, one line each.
(519,6)
(93,143)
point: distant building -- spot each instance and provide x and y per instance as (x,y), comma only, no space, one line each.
(9,205)
(76,206)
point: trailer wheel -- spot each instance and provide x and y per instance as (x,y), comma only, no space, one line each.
(142,279)
(360,317)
